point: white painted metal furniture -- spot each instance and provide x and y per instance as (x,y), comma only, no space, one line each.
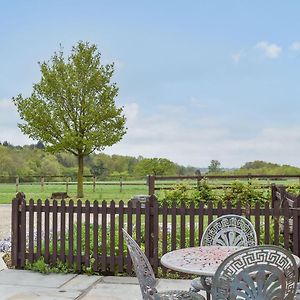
(203,261)
(227,230)
(146,276)
(256,273)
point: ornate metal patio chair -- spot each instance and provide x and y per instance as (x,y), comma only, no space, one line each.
(256,273)
(147,279)
(297,296)
(228,230)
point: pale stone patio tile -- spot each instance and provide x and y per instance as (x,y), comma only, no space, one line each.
(29,278)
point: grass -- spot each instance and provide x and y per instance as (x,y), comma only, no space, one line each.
(102,192)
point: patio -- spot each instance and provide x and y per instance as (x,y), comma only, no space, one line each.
(20,284)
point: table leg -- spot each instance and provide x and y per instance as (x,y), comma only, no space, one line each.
(205,281)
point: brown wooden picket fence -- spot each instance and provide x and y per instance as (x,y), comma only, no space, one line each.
(89,235)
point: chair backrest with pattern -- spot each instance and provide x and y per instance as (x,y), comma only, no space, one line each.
(256,273)
(142,267)
(230,230)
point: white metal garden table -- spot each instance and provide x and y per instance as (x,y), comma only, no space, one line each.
(203,260)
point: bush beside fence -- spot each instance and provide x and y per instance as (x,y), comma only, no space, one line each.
(89,236)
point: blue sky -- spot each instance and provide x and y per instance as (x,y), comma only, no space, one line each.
(199,80)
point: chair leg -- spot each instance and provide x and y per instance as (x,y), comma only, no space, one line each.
(208,295)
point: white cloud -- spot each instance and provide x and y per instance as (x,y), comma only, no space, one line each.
(236,57)
(270,50)
(172,132)
(295,46)
(196,142)
(196,103)
(8,113)
(131,111)
(9,118)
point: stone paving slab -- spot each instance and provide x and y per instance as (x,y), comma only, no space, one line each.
(29,278)
(127,288)
(81,282)
(120,280)
(27,285)
(12,292)
(107,291)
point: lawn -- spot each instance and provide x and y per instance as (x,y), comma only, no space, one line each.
(102,192)
(106,191)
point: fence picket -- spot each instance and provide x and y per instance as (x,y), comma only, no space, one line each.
(276,223)
(87,234)
(39,228)
(257,220)
(121,238)
(62,255)
(192,225)
(95,236)
(47,231)
(31,231)
(129,230)
(267,223)
(173,226)
(71,234)
(138,224)
(54,232)
(286,225)
(104,237)
(200,225)
(112,236)
(79,236)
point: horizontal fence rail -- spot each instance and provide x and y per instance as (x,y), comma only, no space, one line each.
(88,235)
(156,183)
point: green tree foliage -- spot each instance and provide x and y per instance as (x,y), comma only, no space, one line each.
(73,108)
(155,166)
(214,167)
(261,167)
(31,160)
(50,166)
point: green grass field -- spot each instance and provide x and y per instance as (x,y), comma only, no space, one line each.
(105,192)
(102,192)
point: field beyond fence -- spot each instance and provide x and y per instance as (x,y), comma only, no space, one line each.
(88,236)
(41,187)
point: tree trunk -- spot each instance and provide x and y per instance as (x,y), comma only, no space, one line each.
(80,177)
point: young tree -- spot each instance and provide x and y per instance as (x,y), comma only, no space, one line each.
(73,108)
(155,166)
(214,167)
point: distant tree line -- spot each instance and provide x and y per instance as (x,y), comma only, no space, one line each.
(257,167)
(33,160)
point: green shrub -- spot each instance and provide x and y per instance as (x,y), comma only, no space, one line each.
(294,189)
(245,192)
(42,267)
(187,194)
(237,191)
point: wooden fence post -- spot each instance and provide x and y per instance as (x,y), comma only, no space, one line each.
(67,185)
(42,183)
(17,183)
(152,220)
(16,229)
(273,195)
(121,184)
(297,205)
(94,183)
(151,185)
